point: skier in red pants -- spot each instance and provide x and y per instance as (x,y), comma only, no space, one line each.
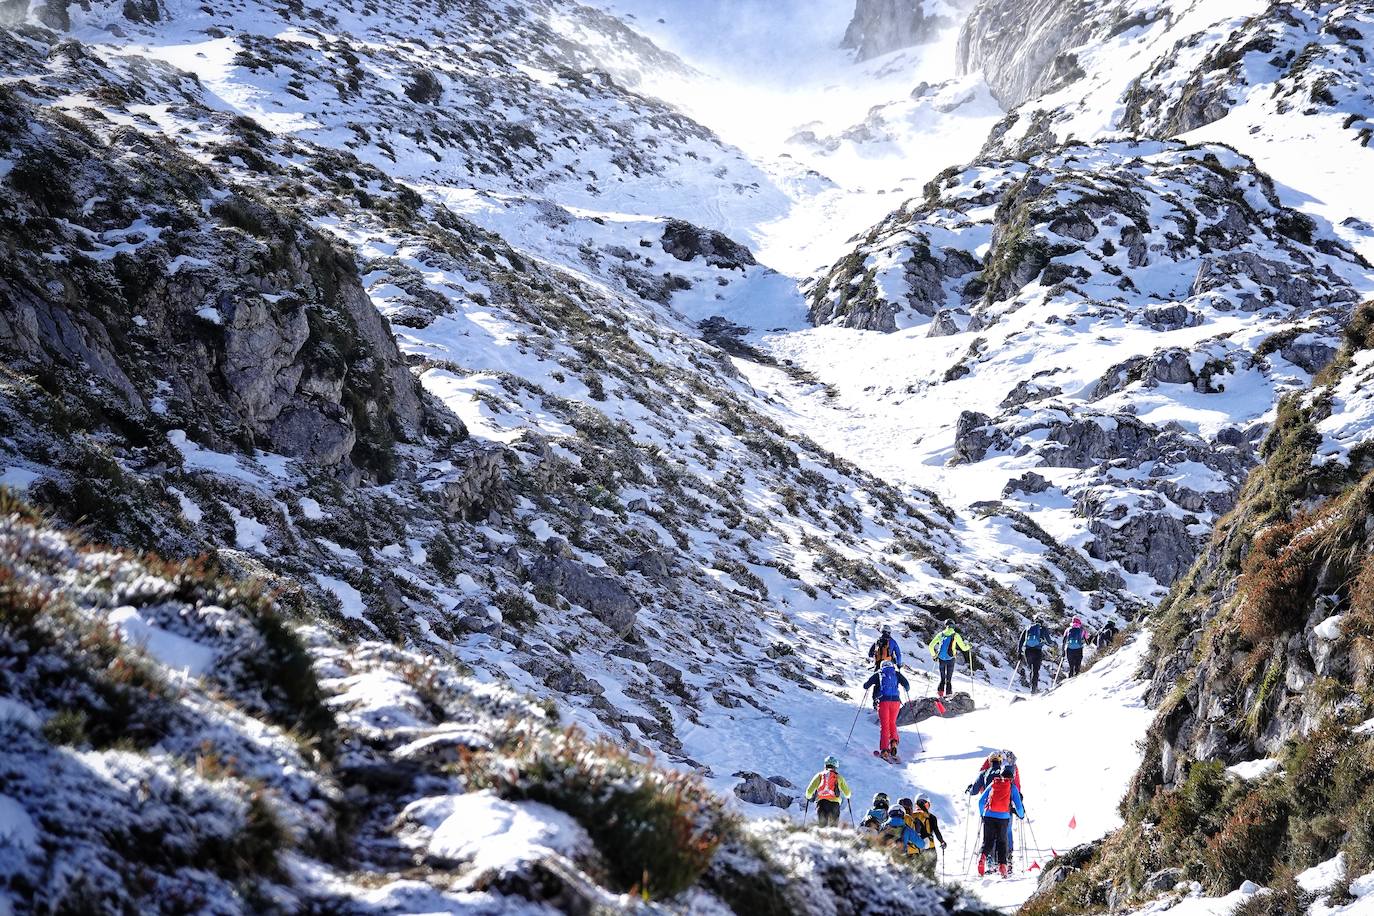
(887,682)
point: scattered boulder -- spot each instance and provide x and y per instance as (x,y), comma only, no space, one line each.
(1164,880)
(606,598)
(756,790)
(686,242)
(918,710)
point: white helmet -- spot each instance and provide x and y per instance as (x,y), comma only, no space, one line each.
(888,663)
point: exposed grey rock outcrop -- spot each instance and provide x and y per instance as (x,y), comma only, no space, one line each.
(882,26)
(256,327)
(686,242)
(756,790)
(606,598)
(918,710)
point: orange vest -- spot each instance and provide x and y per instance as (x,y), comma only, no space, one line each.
(829,788)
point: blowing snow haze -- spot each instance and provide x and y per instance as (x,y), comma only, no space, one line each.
(694,457)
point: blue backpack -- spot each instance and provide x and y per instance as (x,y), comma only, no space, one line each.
(947,647)
(887,682)
(1076,638)
(1033,637)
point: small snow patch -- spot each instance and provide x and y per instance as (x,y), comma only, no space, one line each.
(349,597)
(493,833)
(1321,877)
(17,478)
(1330,628)
(176,652)
(311,509)
(211,314)
(1254,769)
(17,830)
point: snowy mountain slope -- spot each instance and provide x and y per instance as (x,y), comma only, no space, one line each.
(1286,84)
(586,490)
(213,762)
(841,139)
(1127,314)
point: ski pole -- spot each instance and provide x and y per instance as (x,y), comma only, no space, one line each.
(1034,838)
(806,811)
(856,719)
(970,675)
(1015,671)
(850,803)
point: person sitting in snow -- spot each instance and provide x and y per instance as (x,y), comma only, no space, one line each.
(887,683)
(826,790)
(1000,800)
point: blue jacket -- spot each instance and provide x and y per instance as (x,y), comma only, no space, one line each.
(1000,799)
(887,687)
(892,645)
(1035,637)
(900,826)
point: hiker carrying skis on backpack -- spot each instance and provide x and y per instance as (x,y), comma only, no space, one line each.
(1032,649)
(1072,643)
(887,683)
(826,789)
(883,649)
(943,648)
(1000,800)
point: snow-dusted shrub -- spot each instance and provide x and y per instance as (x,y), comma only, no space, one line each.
(1282,898)
(777,868)
(657,829)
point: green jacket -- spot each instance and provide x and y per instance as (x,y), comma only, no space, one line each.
(841,786)
(957,645)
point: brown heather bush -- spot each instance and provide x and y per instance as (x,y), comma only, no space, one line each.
(656,829)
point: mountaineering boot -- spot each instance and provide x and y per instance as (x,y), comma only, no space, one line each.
(1004,871)
(982,863)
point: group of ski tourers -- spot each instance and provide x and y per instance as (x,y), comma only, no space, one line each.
(914,828)
(912,824)
(887,681)
(1072,642)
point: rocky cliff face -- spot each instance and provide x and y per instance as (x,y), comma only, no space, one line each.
(1025,49)
(1067,250)
(1263,655)
(882,26)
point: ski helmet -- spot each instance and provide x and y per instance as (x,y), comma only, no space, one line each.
(1078,621)
(923,802)
(905,803)
(886,629)
(1008,758)
(888,663)
(880,800)
(832,762)
(949,622)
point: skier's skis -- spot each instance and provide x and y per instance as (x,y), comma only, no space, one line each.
(887,758)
